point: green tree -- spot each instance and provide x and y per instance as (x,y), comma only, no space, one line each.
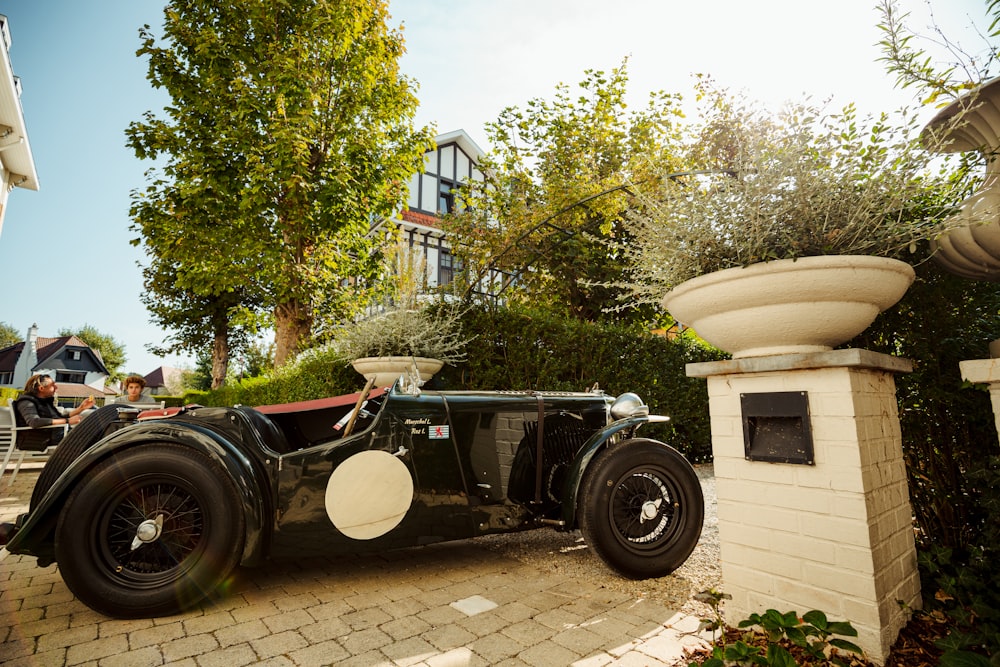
(255,359)
(221,322)
(9,335)
(556,186)
(201,377)
(112,351)
(935,65)
(290,130)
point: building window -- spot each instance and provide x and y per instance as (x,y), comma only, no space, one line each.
(74,355)
(7,378)
(63,376)
(446,197)
(446,268)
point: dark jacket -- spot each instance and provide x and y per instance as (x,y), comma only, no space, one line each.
(30,410)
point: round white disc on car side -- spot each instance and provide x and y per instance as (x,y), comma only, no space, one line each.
(369,494)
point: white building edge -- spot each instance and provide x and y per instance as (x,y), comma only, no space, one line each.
(17,166)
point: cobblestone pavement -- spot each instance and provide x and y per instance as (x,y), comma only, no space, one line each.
(454,604)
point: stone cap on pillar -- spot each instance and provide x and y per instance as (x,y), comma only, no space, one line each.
(980,371)
(849,358)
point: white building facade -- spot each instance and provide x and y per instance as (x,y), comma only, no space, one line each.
(433,194)
(17,166)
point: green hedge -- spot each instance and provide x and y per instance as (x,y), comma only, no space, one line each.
(172,401)
(518,350)
(315,374)
(536,350)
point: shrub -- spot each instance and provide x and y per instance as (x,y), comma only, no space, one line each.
(171,401)
(316,373)
(196,397)
(964,582)
(522,350)
(525,349)
(813,637)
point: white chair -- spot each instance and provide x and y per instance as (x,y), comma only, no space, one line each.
(8,439)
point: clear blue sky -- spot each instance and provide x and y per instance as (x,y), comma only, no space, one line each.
(64,250)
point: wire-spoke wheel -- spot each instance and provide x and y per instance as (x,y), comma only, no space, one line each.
(139,546)
(642,508)
(149,532)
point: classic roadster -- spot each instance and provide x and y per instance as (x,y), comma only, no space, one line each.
(156,514)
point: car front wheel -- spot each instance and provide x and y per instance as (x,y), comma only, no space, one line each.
(641,508)
(149,532)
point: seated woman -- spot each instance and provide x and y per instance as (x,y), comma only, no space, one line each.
(37,408)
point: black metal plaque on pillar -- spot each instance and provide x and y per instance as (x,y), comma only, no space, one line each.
(776,427)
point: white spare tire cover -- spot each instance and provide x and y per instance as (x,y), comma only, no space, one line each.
(369,494)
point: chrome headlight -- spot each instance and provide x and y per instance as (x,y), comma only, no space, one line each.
(628,405)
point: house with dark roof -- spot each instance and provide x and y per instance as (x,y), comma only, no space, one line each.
(76,367)
(165,381)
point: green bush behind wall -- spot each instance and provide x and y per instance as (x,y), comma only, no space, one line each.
(521,349)
(527,350)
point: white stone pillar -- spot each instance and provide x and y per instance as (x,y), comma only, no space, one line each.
(985,371)
(836,536)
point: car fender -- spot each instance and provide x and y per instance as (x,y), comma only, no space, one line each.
(594,444)
(252,486)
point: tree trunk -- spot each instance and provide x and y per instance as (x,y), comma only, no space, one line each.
(292,328)
(220,356)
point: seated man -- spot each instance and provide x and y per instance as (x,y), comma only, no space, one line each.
(37,408)
(134,391)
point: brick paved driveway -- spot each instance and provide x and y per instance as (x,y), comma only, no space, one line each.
(450,605)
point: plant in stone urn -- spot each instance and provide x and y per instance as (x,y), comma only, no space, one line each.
(392,341)
(764,194)
(410,330)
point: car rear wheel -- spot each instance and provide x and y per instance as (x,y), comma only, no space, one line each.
(149,532)
(80,438)
(642,508)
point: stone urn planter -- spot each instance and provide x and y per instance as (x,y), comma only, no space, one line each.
(809,304)
(387,370)
(972,250)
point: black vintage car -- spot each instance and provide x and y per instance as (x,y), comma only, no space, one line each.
(158,513)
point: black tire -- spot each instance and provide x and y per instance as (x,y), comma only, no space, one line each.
(79,439)
(641,508)
(183,560)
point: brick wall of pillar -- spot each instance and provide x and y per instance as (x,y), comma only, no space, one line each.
(836,536)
